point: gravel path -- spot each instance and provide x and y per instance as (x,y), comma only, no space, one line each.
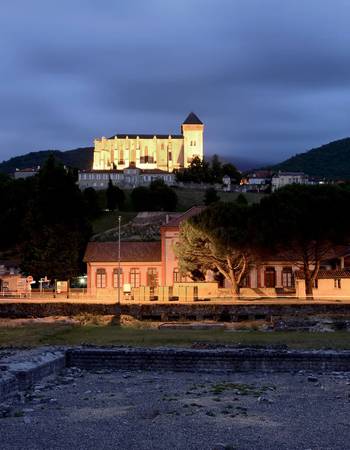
(148,410)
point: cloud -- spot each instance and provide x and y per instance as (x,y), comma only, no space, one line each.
(268,78)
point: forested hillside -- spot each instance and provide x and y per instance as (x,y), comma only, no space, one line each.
(331,161)
(80,158)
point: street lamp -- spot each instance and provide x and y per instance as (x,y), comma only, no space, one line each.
(119,220)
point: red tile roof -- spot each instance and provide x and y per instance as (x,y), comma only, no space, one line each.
(326,274)
(129,251)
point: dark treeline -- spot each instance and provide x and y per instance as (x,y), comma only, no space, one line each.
(302,223)
(202,171)
(44,221)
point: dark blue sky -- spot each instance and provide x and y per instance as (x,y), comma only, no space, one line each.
(269,78)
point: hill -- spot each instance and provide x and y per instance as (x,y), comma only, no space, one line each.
(80,158)
(330,161)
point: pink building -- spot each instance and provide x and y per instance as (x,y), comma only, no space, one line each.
(151,264)
(141,263)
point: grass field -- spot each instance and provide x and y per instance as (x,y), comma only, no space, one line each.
(35,335)
(109,219)
(191,197)
(186,199)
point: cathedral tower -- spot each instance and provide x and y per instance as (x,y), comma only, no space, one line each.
(192,130)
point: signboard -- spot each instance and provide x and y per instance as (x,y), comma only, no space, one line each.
(127,288)
(62,286)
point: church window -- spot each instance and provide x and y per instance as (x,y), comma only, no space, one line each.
(121,156)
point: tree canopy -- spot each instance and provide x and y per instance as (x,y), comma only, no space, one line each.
(115,197)
(216,240)
(304,223)
(157,197)
(211,196)
(202,171)
(55,227)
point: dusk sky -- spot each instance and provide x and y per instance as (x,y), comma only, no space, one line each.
(269,78)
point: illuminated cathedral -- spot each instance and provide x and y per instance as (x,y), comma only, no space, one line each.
(165,152)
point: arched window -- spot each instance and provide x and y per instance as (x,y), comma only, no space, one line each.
(135,277)
(115,278)
(170,153)
(270,277)
(101,278)
(152,277)
(121,156)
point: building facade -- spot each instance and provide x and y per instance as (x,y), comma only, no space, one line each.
(149,266)
(128,178)
(151,151)
(282,179)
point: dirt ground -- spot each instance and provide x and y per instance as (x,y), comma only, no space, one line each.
(167,410)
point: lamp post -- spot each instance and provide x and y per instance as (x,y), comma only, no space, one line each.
(118,278)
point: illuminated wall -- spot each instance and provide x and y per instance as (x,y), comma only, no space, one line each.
(165,152)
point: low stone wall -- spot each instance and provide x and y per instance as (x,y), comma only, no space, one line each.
(23,374)
(22,371)
(190,360)
(16,310)
(234,312)
(197,311)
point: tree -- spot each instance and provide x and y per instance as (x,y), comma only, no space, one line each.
(216,239)
(197,172)
(115,197)
(231,171)
(15,196)
(200,171)
(91,201)
(55,228)
(242,200)
(162,196)
(304,224)
(211,196)
(158,197)
(140,198)
(216,169)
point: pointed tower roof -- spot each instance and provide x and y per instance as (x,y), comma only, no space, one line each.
(192,119)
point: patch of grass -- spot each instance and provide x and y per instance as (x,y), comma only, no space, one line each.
(55,334)
(108,219)
(239,389)
(190,197)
